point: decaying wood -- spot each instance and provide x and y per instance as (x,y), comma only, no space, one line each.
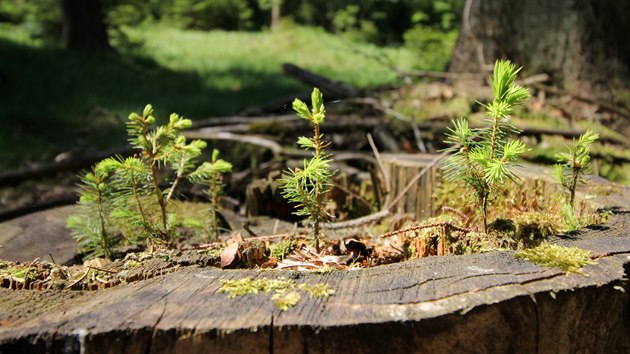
(538,133)
(37,235)
(364,220)
(247,120)
(248,139)
(490,302)
(602,104)
(263,197)
(430,166)
(385,176)
(412,179)
(10,178)
(330,88)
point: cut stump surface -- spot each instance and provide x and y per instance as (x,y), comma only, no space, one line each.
(37,235)
(480,303)
(488,302)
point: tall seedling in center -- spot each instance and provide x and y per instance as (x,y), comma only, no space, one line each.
(306,186)
(481,158)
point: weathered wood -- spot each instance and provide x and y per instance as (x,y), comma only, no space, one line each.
(418,199)
(329,88)
(37,235)
(263,197)
(14,177)
(510,305)
(490,302)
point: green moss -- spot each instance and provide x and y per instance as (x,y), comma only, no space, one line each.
(324,270)
(286,291)
(282,248)
(132,264)
(284,300)
(569,259)
(215,251)
(316,290)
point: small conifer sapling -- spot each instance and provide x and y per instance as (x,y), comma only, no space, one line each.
(482,158)
(137,204)
(307,186)
(92,228)
(211,175)
(570,170)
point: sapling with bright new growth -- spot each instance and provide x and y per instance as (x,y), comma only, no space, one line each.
(570,170)
(138,178)
(482,158)
(92,228)
(211,175)
(127,194)
(307,186)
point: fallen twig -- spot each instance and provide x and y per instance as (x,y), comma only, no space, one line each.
(417,177)
(80,279)
(204,134)
(425,226)
(358,221)
(603,105)
(379,160)
(102,270)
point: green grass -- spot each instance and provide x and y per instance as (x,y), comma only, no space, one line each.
(53,100)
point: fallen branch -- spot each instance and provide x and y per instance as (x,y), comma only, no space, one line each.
(358,221)
(603,105)
(246,120)
(568,134)
(425,226)
(204,134)
(330,88)
(39,206)
(381,166)
(14,177)
(385,108)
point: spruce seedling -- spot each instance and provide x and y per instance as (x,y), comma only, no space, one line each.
(91,228)
(574,164)
(135,199)
(211,175)
(482,158)
(570,170)
(164,145)
(306,186)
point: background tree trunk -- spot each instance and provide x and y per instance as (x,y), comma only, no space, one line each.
(579,43)
(275,14)
(83,25)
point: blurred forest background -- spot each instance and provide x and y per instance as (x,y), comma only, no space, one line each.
(198,58)
(72,70)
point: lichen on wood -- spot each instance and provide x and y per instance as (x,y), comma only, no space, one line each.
(286,293)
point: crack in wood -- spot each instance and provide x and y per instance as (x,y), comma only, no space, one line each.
(154,327)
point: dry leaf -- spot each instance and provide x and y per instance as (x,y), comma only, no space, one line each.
(230,255)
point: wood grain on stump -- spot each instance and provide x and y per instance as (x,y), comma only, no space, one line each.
(401,170)
(481,303)
(37,235)
(489,302)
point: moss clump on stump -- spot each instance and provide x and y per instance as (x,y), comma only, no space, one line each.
(569,259)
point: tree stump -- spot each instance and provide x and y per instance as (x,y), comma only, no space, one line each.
(481,303)
(401,170)
(491,302)
(263,197)
(37,236)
